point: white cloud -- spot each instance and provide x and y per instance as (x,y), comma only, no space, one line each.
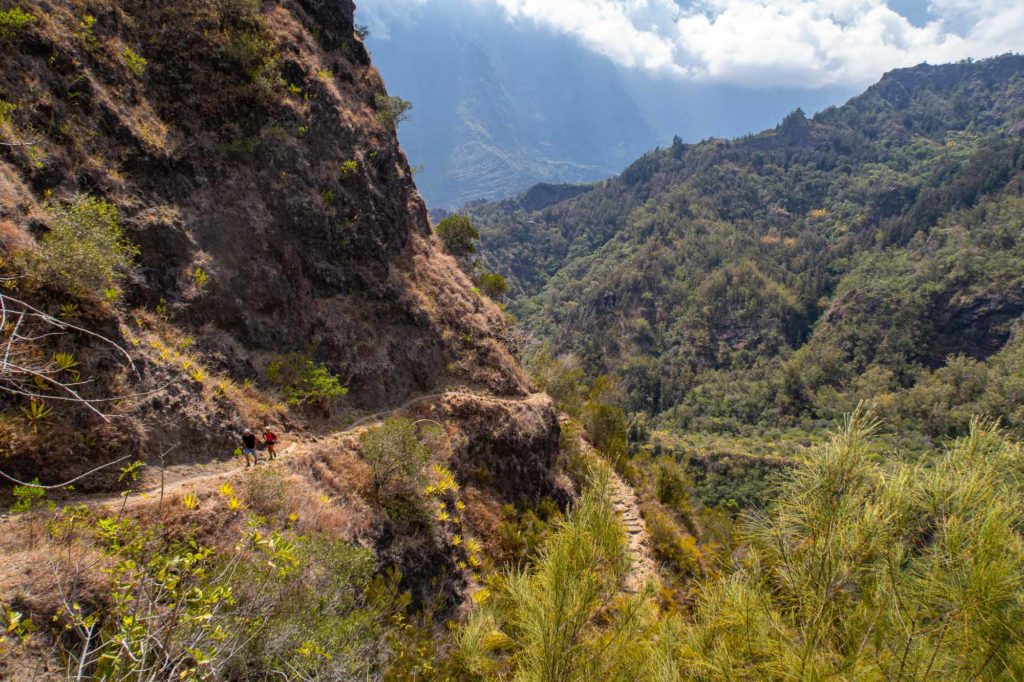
(765,43)
(378,15)
(759,43)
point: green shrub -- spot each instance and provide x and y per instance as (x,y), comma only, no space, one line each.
(325,621)
(391,110)
(395,454)
(85,251)
(561,378)
(673,485)
(523,531)
(458,235)
(200,278)
(135,62)
(563,618)
(6,111)
(893,570)
(306,382)
(492,284)
(671,545)
(13,23)
(264,492)
(605,423)
(171,611)
(252,47)
(27,497)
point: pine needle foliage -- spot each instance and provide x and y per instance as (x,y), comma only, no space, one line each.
(869,569)
(565,617)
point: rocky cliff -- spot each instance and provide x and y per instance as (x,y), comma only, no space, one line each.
(251,155)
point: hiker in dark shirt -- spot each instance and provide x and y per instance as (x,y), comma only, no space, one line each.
(249,446)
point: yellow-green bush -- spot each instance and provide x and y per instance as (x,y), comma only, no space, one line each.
(671,544)
(876,570)
(564,618)
(397,457)
(304,381)
(85,251)
(13,23)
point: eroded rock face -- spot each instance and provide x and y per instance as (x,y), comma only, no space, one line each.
(509,444)
(249,149)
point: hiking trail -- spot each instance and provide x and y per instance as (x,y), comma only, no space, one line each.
(638,542)
(176,477)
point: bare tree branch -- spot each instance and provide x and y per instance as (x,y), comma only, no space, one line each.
(65,483)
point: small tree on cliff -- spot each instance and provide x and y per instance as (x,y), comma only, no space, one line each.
(392,110)
(493,285)
(459,235)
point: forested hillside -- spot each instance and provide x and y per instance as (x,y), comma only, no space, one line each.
(769,283)
(258,423)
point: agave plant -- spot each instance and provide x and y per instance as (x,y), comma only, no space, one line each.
(37,413)
(66,362)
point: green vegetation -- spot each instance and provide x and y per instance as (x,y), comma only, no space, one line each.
(492,284)
(864,566)
(200,278)
(396,455)
(273,601)
(135,62)
(391,110)
(6,111)
(398,458)
(27,497)
(458,234)
(85,251)
(37,414)
(13,23)
(541,623)
(760,288)
(876,570)
(306,382)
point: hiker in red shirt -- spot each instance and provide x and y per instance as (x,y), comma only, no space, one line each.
(269,440)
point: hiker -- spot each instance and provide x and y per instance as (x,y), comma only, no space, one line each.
(249,446)
(269,440)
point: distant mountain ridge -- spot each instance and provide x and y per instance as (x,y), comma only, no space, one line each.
(499,114)
(756,282)
(501,105)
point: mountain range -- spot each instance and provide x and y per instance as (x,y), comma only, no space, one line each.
(261,420)
(508,106)
(872,251)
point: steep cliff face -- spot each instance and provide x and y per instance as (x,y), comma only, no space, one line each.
(251,153)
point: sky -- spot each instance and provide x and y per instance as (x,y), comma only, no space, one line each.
(805,44)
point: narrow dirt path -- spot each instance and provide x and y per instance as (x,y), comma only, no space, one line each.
(178,477)
(638,541)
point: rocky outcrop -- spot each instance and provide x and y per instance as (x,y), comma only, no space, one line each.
(508,445)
